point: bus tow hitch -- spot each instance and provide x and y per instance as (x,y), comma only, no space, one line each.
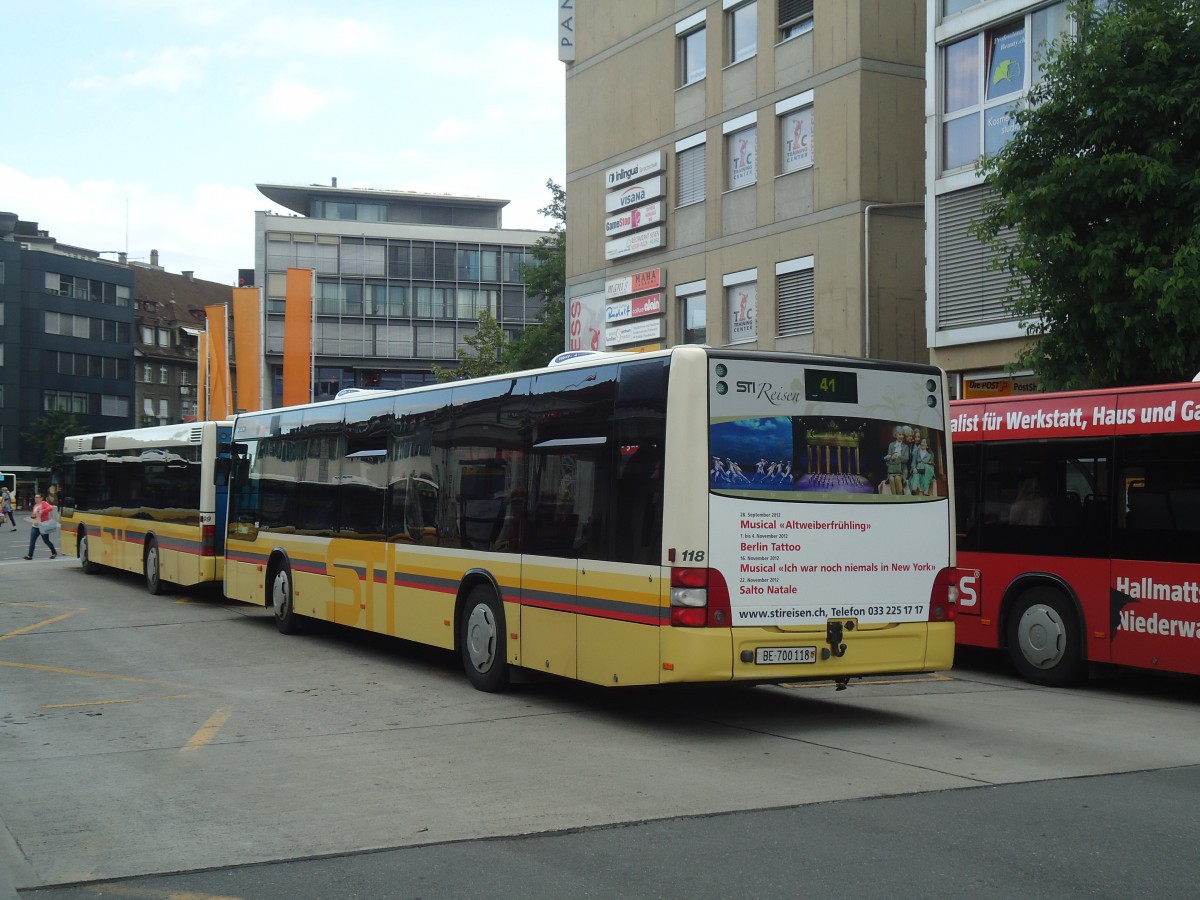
(833,637)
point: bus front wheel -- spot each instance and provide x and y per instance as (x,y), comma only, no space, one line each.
(282,602)
(1043,638)
(483,641)
(152,567)
(85,557)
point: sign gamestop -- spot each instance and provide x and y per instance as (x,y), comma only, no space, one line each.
(631,219)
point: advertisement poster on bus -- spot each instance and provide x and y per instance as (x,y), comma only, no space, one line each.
(1155,615)
(828,493)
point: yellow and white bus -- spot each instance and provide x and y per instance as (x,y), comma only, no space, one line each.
(149,501)
(690,515)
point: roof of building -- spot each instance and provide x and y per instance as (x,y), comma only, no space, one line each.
(298,198)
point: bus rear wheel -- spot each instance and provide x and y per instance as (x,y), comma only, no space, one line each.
(281,596)
(85,556)
(152,567)
(482,641)
(1043,638)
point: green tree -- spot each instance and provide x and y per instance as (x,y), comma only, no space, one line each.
(46,435)
(547,277)
(1096,210)
(488,345)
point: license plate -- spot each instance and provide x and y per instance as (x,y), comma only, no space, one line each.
(777,656)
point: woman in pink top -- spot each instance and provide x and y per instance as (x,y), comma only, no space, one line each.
(42,512)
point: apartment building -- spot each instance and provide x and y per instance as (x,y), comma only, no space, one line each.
(983,57)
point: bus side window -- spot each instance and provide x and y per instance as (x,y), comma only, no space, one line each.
(1161,485)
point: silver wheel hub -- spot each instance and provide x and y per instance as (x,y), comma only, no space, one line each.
(1042,636)
(280,594)
(481,638)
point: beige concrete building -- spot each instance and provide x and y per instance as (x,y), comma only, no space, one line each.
(746,173)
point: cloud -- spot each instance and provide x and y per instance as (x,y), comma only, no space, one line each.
(168,70)
(291,100)
(208,229)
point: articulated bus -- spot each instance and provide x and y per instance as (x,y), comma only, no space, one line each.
(689,515)
(149,501)
(1081,511)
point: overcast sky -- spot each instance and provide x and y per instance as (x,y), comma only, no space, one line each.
(146,124)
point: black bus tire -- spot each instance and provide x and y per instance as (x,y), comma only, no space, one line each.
(1043,638)
(282,600)
(152,567)
(482,640)
(85,554)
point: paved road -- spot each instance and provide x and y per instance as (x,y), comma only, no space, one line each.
(143,735)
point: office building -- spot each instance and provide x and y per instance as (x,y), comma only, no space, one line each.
(401,279)
(66,339)
(746,173)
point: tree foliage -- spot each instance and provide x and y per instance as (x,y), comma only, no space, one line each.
(487,342)
(1096,211)
(545,277)
(46,434)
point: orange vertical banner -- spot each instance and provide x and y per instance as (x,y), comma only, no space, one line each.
(219,399)
(297,337)
(247,348)
(202,377)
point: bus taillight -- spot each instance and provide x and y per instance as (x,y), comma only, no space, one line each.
(699,599)
(208,540)
(943,599)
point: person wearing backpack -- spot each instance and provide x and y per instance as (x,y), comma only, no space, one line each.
(44,522)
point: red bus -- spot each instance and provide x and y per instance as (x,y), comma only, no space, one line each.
(1081,512)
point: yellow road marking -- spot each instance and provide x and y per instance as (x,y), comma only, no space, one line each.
(37,625)
(110,702)
(60,670)
(208,730)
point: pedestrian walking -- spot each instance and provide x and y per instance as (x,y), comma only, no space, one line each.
(6,507)
(44,521)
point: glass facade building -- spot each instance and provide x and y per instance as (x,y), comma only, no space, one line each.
(400,281)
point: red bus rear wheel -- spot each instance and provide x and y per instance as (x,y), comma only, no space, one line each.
(1043,638)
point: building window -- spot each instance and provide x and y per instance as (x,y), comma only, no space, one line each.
(164,337)
(690,169)
(741,152)
(114,406)
(796,296)
(693,312)
(1,271)
(164,375)
(795,132)
(692,37)
(742,22)
(985,77)
(147,374)
(795,17)
(741,305)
